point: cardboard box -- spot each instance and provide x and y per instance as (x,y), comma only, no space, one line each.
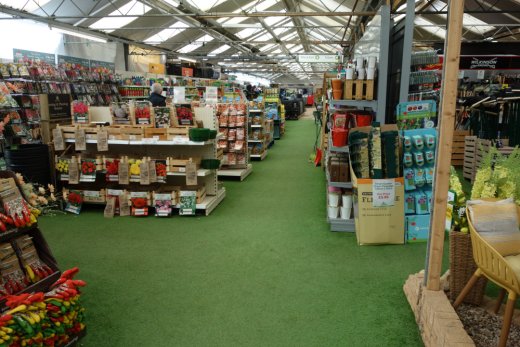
(378,225)
(417,228)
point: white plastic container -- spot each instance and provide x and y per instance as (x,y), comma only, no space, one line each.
(371,72)
(345,212)
(359,63)
(332,211)
(371,62)
(334,199)
(346,200)
(361,74)
(350,73)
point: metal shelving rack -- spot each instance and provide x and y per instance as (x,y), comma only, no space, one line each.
(265,132)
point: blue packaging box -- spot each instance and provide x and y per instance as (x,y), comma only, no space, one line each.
(417,228)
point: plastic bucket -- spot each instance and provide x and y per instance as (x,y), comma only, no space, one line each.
(334,199)
(345,212)
(346,200)
(339,137)
(332,211)
(363,120)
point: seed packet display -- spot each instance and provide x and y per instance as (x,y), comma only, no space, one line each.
(62,166)
(74,200)
(139,203)
(163,204)
(80,112)
(88,170)
(13,277)
(162,117)
(34,267)
(115,194)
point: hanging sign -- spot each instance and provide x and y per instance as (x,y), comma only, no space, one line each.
(481,74)
(383,193)
(73,62)
(318,58)
(179,94)
(102,65)
(21,55)
(211,95)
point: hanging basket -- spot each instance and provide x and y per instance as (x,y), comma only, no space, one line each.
(462,267)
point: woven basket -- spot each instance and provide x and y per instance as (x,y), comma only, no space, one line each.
(462,267)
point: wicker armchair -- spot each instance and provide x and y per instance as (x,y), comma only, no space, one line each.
(502,270)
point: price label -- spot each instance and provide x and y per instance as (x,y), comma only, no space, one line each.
(57,138)
(191,174)
(123,173)
(110,207)
(124,207)
(144,176)
(102,140)
(153,172)
(73,172)
(81,140)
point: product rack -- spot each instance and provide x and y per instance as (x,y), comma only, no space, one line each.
(179,146)
(236,169)
(260,136)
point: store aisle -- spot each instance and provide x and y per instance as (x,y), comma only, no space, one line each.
(262,270)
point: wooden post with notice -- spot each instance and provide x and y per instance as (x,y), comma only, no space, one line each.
(446,125)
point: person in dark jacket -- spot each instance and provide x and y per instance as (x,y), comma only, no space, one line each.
(156,97)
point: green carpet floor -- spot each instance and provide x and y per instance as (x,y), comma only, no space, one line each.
(262,270)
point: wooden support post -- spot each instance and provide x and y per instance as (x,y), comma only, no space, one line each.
(446,125)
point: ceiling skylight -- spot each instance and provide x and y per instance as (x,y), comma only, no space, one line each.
(133,8)
(26,5)
(167,34)
(220,49)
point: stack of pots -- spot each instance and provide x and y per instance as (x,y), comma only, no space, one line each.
(340,129)
(339,205)
(337,89)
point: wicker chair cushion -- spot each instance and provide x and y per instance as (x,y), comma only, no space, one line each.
(497,223)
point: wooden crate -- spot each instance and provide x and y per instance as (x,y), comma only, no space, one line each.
(69,132)
(358,90)
(470,152)
(132,133)
(179,164)
(183,131)
(155,133)
(458,146)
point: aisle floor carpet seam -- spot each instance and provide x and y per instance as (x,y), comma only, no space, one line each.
(262,270)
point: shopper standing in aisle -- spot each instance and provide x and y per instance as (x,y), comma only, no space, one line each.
(156,97)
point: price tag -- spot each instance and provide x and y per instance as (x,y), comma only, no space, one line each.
(124,207)
(153,172)
(110,207)
(73,172)
(123,173)
(191,174)
(179,94)
(81,141)
(57,138)
(144,176)
(102,140)
(383,193)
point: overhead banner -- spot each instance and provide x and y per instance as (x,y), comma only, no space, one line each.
(96,64)
(74,62)
(318,58)
(21,55)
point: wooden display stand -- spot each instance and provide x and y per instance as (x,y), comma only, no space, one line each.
(358,90)
(458,146)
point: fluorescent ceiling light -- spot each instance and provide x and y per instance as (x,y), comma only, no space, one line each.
(79,34)
(188,59)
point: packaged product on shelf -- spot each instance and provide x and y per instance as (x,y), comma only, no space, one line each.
(14,204)
(232,134)
(184,115)
(6,100)
(74,199)
(143,113)
(4,71)
(120,113)
(13,277)
(88,170)
(23,71)
(240,121)
(161,170)
(124,171)
(222,144)
(224,132)
(231,158)
(240,133)
(80,112)
(34,267)
(144,172)
(241,158)
(134,170)
(13,70)
(239,146)
(162,117)
(139,203)
(163,204)
(188,202)
(115,194)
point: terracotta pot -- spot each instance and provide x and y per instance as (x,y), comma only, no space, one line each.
(337,84)
(337,94)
